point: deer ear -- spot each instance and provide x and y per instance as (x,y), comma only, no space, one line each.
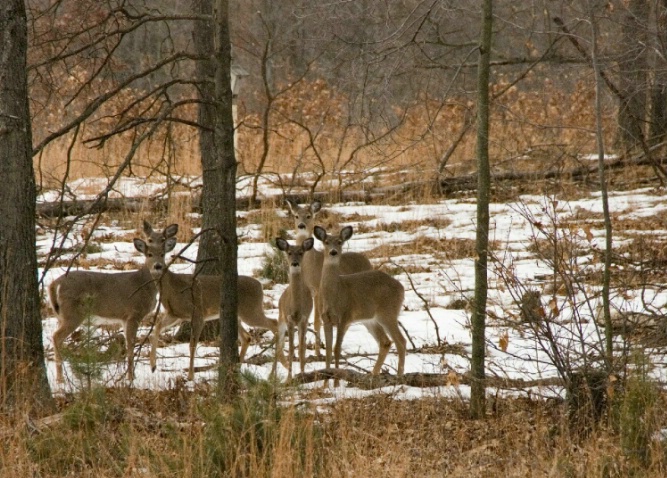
(169,244)
(170,231)
(282,244)
(320,233)
(308,244)
(315,206)
(148,229)
(346,233)
(291,204)
(140,245)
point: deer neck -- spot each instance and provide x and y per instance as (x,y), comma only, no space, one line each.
(146,279)
(297,287)
(330,282)
(311,268)
(171,285)
(302,235)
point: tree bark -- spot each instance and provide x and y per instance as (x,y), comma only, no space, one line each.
(606,277)
(225,219)
(658,124)
(208,261)
(22,369)
(633,75)
(477,367)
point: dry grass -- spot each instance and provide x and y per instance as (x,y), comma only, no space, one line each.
(187,433)
(535,128)
(181,433)
(445,248)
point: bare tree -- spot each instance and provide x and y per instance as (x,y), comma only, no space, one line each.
(203,35)
(606,278)
(477,368)
(633,68)
(658,125)
(22,368)
(225,226)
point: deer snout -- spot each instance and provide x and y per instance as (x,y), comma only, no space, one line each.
(295,264)
(301,225)
(157,267)
(333,252)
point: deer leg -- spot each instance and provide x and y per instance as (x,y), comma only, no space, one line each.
(340,334)
(197,326)
(155,337)
(302,343)
(290,359)
(401,344)
(384,344)
(317,323)
(279,355)
(244,339)
(130,332)
(65,329)
(161,323)
(328,339)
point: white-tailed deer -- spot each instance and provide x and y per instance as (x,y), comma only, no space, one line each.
(122,298)
(295,305)
(350,262)
(372,297)
(186,297)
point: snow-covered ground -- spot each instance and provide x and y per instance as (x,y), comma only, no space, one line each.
(437,281)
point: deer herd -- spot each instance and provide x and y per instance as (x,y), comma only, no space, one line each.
(337,287)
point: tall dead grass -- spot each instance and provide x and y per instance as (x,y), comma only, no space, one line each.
(534,127)
(117,433)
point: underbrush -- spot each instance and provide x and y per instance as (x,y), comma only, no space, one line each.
(185,433)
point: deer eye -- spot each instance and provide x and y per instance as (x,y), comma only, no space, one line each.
(308,216)
(150,254)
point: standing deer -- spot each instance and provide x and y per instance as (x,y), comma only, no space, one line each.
(350,262)
(371,297)
(295,305)
(122,298)
(196,298)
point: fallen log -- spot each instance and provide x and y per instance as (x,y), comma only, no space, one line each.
(367,381)
(442,186)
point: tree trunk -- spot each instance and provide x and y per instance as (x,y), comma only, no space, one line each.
(658,123)
(208,261)
(477,368)
(225,220)
(22,368)
(606,278)
(633,75)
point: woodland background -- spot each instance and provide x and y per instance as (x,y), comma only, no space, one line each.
(339,89)
(373,98)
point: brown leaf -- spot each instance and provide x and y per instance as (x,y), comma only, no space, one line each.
(504,341)
(453,378)
(553,305)
(587,231)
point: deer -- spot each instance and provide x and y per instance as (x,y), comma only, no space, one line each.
(350,262)
(196,298)
(373,298)
(123,298)
(294,306)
